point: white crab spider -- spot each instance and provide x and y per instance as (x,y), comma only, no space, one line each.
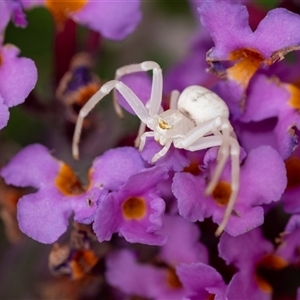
(197,119)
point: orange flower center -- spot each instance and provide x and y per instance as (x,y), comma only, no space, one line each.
(292,165)
(295,95)
(67,182)
(172,279)
(222,193)
(247,63)
(134,208)
(272,262)
(193,168)
(62,9)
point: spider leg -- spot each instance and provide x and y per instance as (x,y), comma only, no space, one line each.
(174,99)
(141,131)
(162,152)
(211,141)
(157,84)
(132,99)
(235,184)
(143,139)
(198,132)
(223,155)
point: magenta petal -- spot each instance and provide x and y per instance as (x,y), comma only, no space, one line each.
(288,249)
(286,26)
(201,281)
(107,219)
(32,166)
(267,98)
(18,15)
(240,251)
(183,245)
(124,272)
(18,76)
(4,113)
(112,169)
(265,174)
(244,286)
(4,17)
(43,216)
(188,189)
(231,36)
(248,218)
(113,19)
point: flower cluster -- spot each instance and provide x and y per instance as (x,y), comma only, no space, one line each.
(144,219)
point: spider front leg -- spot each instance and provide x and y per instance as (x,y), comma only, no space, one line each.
(132,99)
(156,89)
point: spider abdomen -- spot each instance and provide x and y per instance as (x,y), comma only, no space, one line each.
(200,104)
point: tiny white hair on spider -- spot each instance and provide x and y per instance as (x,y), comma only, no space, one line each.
(197,119)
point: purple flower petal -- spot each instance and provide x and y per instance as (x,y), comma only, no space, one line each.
(141,279)
(4,113)
(233,35)
(43,216)
(33,166)
(18,76)
(4,17)
(112,169)
(245,252)
(286,26)
(187,189)
(183,244)
(290,241)
(201,281)
(114,20)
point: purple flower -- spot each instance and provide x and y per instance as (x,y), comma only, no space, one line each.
(288,249)
(18,77)
(181,255)
(43,215)
(141,279)
(183,244)
(201,281)
(11,9)
(135,210)
(114,20)
(247,50)
(248,252)
(263,169)
(133,206)
(291,195)
(276,34)
(267,98)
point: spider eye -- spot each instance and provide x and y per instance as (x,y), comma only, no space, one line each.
(163,125)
